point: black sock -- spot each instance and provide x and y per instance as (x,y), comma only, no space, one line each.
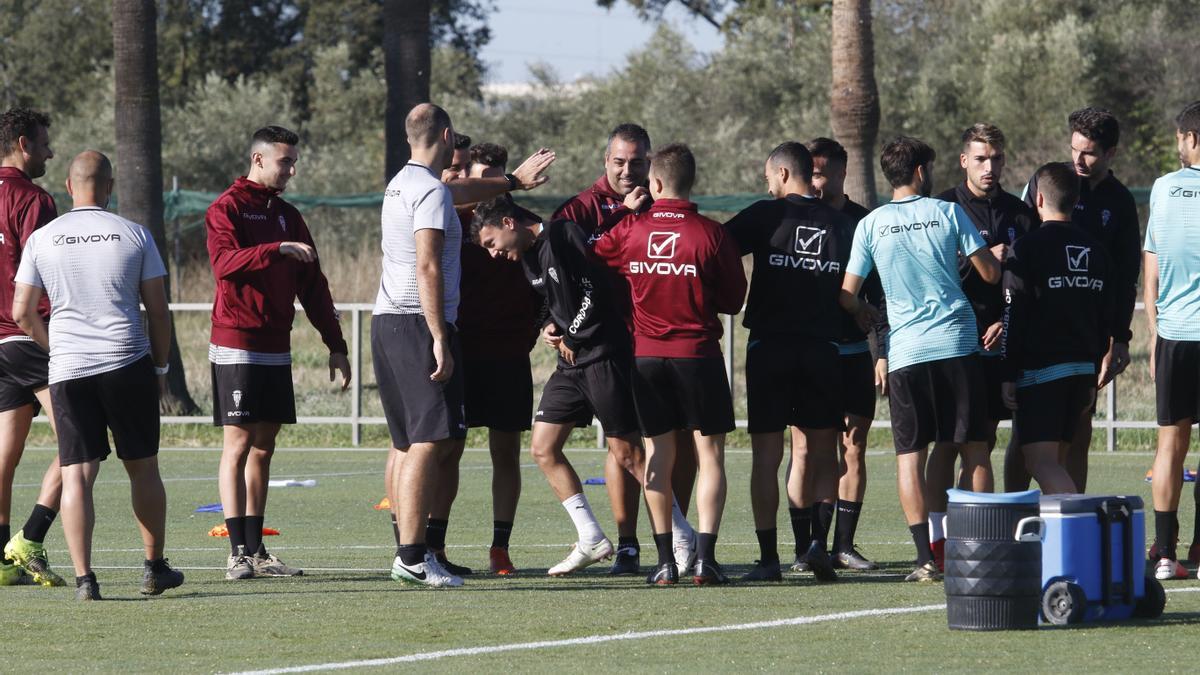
(706,546)
(1164,533)
(396,529)
(435,534)
(920,537)
(662,542)
(847,525)
(768,551)
(237,533)
(501,531)
(79,580)
(159,565)
(628,542)
(411,554)
(823,518)
(254,538)
(5,535)
(39,523)
(801,527)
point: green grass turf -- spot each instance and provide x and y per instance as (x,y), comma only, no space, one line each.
(347,608)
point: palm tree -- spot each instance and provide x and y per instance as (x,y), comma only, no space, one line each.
(854,99)
(406,57)
(139,149)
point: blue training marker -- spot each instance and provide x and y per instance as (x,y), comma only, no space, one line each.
(594,481)
(209,508)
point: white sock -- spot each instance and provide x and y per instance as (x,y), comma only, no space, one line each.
(585,521)
(935,526)
(680,527)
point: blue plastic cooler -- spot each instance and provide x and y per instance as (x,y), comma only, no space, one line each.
(1093,560)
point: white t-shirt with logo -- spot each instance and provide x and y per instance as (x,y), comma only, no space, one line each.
(91,264)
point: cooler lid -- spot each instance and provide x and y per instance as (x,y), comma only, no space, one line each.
(1068,504)
(967,497)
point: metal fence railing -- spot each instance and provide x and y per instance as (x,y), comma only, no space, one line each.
(356,420)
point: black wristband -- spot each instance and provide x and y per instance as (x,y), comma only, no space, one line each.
(512,182)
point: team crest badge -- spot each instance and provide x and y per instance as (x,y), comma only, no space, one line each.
(237,398)
(1104,216)
(553,274)
(282,224)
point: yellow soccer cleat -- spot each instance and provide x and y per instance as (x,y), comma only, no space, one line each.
(10,575)
(31,557)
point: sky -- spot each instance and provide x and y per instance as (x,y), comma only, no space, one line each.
(576,37)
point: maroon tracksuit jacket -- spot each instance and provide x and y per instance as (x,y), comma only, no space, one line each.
(24,207)
(683,269)
(256,284)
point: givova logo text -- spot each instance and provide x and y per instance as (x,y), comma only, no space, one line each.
(69,239)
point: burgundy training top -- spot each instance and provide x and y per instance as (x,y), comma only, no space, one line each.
(256,284)
(683,269)
(24,207)
(498,309)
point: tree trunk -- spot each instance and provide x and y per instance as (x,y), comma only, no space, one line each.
(854,99)
(139,151)
(406,57)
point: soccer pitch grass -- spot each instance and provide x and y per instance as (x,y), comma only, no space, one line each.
(346,610)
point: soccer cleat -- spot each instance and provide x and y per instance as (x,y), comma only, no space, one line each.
(938,548)
(10,575)
(500,563)
(582,556)
(456,570)
(429,572)
(852,560)
(708,573)
(1194,553)
(926,573)
(31,557)
(87,588)
(269,566)
(628,561)
(818,561)
(665,574)
(239,566)
(158,577)
(685,552)
(799,564)
(1170,570)
(764,571)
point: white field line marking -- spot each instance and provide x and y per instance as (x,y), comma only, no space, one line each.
(391,547)
(597,639)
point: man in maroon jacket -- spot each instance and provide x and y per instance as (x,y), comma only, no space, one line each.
(683,269)
(263,259)
(24,207)
(626,166)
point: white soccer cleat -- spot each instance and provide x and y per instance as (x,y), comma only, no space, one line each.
(428,572)
(684,548)
(1170,570)
(582,556)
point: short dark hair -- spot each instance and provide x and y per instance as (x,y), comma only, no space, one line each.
(793,156)
(275,134)
(983,132)
(461,141)
(1188,119)
(900,158)
(493,211)
(828,149)
(425,123)
(675,165)
(489,154)
(1059,186)
(19,122)
(1096,124)
(631,133)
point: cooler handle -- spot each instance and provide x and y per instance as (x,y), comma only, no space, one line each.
(945,527)
(1023,536)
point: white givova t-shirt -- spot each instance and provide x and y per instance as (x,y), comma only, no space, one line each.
(416,200)
(91,264)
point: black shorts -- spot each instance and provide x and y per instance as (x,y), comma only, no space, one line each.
(792,381)
(938,401)
(124,401)
(1177,381)
(24,367)
(246,393)
(858,384)
(993,378)
(418,410)
(602,388)
(682,394)
(1050,411)
(499,393)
